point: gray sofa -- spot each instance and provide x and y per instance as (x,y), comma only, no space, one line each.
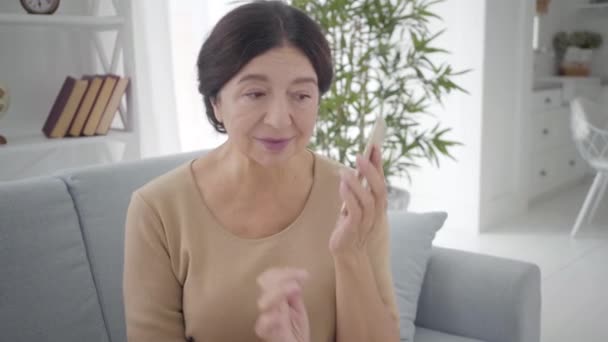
(61,249)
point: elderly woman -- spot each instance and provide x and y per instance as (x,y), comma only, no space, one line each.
(249,242)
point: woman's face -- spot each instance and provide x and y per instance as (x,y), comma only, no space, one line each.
(270,107)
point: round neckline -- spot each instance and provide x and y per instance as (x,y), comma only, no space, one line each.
(216,222)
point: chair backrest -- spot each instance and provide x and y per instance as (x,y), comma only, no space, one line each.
(591,141)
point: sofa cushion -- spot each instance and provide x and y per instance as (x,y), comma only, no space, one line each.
(46,287)
(427,335)
(101,196)
(412,235)
(482,296)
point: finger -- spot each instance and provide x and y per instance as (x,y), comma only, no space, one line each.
(375,180)
(376,159)
(353,207)
(296,302)
(267,324)
(271,277)
(363,196)
(281,293)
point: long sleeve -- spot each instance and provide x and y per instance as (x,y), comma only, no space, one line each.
(152,293)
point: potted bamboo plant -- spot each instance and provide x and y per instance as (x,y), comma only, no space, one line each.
(386,63)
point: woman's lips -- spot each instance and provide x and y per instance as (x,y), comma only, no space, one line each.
(274,145)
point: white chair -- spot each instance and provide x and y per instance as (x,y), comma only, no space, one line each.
(592,144)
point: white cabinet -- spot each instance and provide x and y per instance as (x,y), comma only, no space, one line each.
(553,159)
(547,99)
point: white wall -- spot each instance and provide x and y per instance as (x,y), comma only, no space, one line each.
(507,82)
(455,186)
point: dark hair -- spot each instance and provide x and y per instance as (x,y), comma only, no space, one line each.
(251,30)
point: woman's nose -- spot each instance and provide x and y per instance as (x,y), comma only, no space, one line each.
(279,114)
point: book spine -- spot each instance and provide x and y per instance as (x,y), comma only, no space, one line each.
(57,108)
(113,106)
(100,104)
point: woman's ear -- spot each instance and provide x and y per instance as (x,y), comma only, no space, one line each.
(215,103)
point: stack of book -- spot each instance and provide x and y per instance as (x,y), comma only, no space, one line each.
(86,106)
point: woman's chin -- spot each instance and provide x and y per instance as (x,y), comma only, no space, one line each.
(269,157)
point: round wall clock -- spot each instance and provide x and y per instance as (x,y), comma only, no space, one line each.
(40,6)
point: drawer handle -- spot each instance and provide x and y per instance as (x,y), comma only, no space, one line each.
(547,100)
(543,173)
(546,131)
(572,163)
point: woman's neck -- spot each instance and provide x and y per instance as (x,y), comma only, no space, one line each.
(250,179)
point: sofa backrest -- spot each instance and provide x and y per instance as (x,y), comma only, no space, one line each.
(47,291)
(101,197)
(77,217)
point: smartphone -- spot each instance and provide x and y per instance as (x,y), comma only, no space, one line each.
(376,137)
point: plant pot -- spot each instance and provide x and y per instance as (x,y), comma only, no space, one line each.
(576,62)
(575,70)
(398,199)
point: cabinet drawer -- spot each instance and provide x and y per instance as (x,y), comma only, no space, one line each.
(546,99)
(543,132)
(570,166)
(555,168)
(549,129)
(542,173)
(562,130)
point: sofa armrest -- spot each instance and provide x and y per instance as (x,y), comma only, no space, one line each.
(479,296)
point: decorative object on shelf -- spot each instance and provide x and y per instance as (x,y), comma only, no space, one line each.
(88,101)
(40,6)
(574,52)
(386,63)
(86,106)
(542,6)
(109,81)
(4,103)
(112,106)
(66,104)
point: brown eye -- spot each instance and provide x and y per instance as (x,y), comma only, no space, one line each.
(302,97)
(255,95)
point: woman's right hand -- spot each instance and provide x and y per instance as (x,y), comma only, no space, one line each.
(283,316)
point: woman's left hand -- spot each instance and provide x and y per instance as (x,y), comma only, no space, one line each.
(283,316)
(363,206)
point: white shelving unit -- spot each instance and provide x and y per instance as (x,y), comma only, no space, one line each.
(28,139)
(27,146)
(590,6)
(94,23)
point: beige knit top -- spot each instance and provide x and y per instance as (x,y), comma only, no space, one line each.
(188,278)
